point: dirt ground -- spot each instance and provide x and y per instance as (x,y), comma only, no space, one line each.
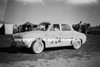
(87,56)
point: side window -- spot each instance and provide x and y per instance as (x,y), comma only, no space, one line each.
(55,27)
(65,27)
(42,27)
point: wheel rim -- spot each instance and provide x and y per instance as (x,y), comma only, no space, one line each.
(77,44)
(38,47)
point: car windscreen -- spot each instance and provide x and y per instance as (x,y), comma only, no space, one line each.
(65,27)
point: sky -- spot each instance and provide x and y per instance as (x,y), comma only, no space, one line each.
(53,11)
(2,8)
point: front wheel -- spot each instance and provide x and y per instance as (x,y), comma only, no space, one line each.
(37,46)
(76,44)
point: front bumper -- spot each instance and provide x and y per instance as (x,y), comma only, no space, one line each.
(18,43)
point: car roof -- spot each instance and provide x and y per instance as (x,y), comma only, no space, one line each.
(61,23)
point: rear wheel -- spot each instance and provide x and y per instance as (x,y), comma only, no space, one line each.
(76,44)
(37,46)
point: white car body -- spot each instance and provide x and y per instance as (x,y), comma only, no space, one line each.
(50,38)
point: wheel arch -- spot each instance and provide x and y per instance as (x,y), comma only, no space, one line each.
(41,40)
(75,39)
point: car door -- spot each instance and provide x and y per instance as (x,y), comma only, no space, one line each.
(66,34)
(53,36)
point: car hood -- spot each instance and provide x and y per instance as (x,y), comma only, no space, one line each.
(29,33)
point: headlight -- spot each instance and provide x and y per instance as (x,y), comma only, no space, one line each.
(17,37)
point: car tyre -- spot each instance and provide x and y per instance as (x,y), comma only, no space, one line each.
(37,46)
(76,44)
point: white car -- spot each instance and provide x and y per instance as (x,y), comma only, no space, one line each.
(47,36)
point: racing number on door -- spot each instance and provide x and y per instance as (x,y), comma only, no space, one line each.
(56,40)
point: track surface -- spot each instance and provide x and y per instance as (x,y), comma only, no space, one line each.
(91,49)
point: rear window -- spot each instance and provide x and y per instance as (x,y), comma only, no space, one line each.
(65,27)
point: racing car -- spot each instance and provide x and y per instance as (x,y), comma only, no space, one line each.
(48,36)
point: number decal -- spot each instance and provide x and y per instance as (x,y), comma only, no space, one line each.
(56,40)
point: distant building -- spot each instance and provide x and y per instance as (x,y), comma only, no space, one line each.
(2,29)
(6,28)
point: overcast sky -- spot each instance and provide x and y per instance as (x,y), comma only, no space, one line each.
(54,11)
(2,8)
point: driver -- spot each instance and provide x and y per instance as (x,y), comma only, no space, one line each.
(56,28)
